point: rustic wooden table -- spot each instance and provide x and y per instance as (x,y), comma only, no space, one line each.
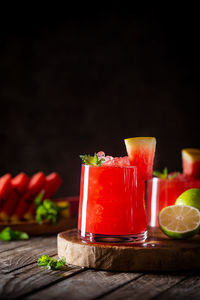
(21,278)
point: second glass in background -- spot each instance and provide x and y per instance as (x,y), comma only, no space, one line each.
(164,192)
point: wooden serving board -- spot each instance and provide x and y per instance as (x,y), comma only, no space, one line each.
(34,229)
(158,253)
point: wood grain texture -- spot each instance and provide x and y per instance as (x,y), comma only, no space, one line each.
(146,287)
(27,254)
(31,278)
(21,278)
(86,285)
(160,254)
(189,288)
(7,246)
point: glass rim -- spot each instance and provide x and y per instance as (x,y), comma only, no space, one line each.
(107,166)
(166,179)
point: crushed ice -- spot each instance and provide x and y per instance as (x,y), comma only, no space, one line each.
(113,161)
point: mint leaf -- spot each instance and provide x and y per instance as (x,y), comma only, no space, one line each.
(172,176)
(7,234)
(91,160)
(43,260)
(51,263)
(49,211)
(38,198)
(165,175)
(60,263)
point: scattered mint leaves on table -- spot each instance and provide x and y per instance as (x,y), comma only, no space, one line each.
(51,263)
(91,160)
(47,210)
(7,234)
(165,174)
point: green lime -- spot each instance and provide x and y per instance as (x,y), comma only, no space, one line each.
(179,221)
(190,197)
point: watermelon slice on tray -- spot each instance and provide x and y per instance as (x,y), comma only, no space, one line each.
(141,152)
(51,184)
(191,162)
(20,182)
(5,186)
(9,206)
(17,200)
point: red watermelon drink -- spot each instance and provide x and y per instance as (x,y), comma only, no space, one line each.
(112,204)
(166,188)
(164,192)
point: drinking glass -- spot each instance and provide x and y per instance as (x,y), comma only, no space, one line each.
(164,192)
(112,205)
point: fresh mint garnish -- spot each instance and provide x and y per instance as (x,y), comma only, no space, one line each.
(165,175)
(7,234)
(47,210)
(38,199)
(174,175)
(92,160)
(51,263)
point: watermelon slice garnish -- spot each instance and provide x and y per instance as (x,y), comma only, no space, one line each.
(141,152)
(191,162)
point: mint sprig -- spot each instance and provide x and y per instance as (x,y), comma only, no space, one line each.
(91,160)
(51,263)
(7,234)
(47,210)
(165,174)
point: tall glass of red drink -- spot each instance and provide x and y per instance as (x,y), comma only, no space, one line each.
(112,206)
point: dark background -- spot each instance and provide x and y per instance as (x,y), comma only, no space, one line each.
(75,82)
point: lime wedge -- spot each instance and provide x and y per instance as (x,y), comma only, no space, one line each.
(179,221)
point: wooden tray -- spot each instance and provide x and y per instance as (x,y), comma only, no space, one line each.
(34,229)
(158,253)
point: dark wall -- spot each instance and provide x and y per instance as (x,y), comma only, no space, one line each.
(79,83)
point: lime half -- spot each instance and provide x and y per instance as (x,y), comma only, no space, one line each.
(179,221)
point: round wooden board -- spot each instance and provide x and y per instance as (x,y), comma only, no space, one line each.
(158,253)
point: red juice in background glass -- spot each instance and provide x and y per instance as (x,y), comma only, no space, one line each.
(112,206)
(164,192)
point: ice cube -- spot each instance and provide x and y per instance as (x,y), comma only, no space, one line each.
(101,154)
(118,162)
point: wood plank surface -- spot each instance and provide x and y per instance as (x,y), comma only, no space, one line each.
(87,285)
(19,272)
(28,254)
(21,278)
(146,287)
(29,279)
(189,288)
(6,246)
